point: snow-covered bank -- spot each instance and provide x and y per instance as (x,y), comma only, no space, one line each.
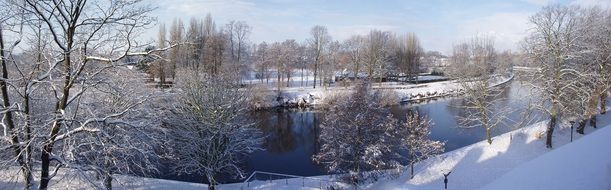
(306,96)
(477,165)
(583,164)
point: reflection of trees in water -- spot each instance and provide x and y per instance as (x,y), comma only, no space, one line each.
(276,125)
(400,112)
(286,130)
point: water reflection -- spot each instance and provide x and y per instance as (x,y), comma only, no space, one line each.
(292,134)
(290,143)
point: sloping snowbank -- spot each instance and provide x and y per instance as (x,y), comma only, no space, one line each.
(583,164)
(479,164)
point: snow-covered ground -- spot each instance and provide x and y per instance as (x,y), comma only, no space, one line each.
(583,164)
(70,179)
(480,164)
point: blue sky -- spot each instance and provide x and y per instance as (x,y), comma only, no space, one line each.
(438,23)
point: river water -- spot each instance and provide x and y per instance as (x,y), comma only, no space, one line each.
(292,133)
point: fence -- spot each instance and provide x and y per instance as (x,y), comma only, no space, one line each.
(295,180)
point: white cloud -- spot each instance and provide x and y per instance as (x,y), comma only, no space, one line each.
(508,29)
(592,3)
(539,2)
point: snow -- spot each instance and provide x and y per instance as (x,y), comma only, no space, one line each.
(477,165)
(303,183)
(69,179)
(405,92)
(583,164)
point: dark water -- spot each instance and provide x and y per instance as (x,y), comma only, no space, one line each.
(292,133)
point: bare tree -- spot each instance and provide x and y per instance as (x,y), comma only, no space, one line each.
(318,42)
(291,59)
(160,64)
(330,62)
(473,65)
(408,54)
(262,62)
(377,53)
(176,33)
(218,134)
(552,45)
(355,47)
(237,35)
(594,64)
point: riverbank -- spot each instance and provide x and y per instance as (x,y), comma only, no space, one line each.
(394,93)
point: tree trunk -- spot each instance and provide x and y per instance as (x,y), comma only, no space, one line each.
(593,121)
(211,183)
(488,135)
(603,103)
(411,165)
(315,71)
(60,106)
(161,74)
(278,80)
(288,79)
(10,124)
(356,73)
(108,181)
(582,126)
(550,131)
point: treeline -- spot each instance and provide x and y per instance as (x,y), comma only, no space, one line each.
(204,46)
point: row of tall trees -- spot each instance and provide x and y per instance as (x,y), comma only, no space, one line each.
(202,46)
(571,46)
(205,47)
(370,56)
